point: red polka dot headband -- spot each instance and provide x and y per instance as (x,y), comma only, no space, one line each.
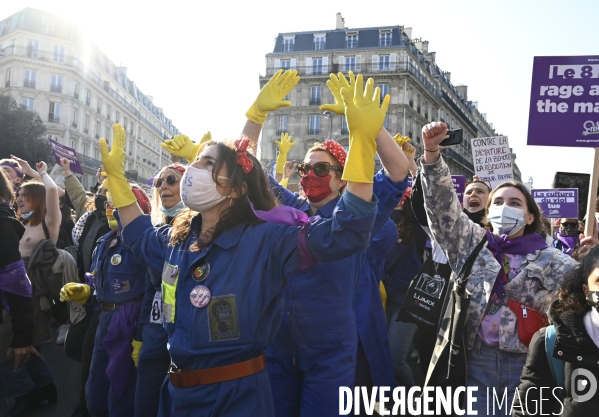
(176,167)
(336,150)
(243,160)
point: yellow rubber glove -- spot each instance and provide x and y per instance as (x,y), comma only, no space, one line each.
(76,292)
(335,84)
(114,165)
(365,117)
(271,96)
(284,182)
(183,147)
(136,348)
(383,292)
(284,145)
(401,141)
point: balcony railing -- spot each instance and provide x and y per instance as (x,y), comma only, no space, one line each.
(313,131)
(88,162)
(344,130)
(28,83)
(52,119)
(458,158)
(7,83)
(56,88)
(315,101)
(74,125)
(281,131)
(87,101)
(76,95)
(351,44)
(86,130)
(319,46)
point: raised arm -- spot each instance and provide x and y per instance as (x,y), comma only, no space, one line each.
(53,214)
(74,188)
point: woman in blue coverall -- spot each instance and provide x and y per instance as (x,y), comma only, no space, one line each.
(224,276)
(119,284)
(315,350)
(150,352)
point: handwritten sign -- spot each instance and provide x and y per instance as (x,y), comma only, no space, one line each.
(492,159)
(564,109)
(459,185)
(557,202)
(63,151)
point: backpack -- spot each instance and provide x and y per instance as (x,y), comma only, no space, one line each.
(556,365)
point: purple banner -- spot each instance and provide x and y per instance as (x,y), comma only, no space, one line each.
(557,202)
(62,151)
(564,104)
(459,185)
(410,182)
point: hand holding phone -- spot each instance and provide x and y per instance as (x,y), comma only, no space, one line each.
(455,138)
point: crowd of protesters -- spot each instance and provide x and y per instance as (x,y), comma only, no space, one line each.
(226,294)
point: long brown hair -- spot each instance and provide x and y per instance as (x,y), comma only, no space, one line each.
(252,186)
(405,224)
(533,208)
(35,193)
(6,193)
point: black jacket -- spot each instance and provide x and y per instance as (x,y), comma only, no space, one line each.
(577,349)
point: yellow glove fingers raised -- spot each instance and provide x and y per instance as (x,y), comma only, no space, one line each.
(206,138)
(359,88)
(119,137)
(334,83)
(103,147)
(386,101)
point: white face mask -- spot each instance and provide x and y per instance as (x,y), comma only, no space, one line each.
(198,189)
(26,216)
(506,220)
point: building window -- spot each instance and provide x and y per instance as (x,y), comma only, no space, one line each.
(29,78)
(59,54)
(285,64)
(319,42)
(384,90)
(28,102)
(75,117)
(314,124)
(108,111)
(351,41)
(107,133)
(54,113)
(86,123)
(7,78)
(281,124)
(350,63)
(383,62)
(47,25)
(97,130)
(85,147)
(344,129)
(386,122)
(99,105)
(56,83)
(289,45)
(385,39)
(76,91)
(317,66)
(315,95)
(33,47)
(73,145)
(117,117)
(88,97)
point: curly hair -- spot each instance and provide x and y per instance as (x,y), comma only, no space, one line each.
(570,297)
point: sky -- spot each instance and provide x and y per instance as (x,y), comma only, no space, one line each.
(201,60)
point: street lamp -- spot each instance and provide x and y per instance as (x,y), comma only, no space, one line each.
(329,115)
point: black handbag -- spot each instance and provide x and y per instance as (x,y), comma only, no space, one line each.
(448,367)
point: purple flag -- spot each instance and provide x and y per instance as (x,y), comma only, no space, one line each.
(557,203)
(63,151)
(459,185)
(564,110)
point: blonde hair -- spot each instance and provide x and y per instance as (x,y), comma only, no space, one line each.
(158,217)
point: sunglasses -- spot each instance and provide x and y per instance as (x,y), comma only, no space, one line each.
(170,180)
(321,169)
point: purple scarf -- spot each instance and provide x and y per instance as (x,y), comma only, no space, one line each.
(14,279)
(522,245)
(117,343)
(568,243)
(291,217)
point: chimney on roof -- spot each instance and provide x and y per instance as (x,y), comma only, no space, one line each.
(463,90)
(408,31)
(340,22)
(123,70)
(447,75)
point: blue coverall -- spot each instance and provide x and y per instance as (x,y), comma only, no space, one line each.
(249,265)
(314,352)
(370,316)
(118,278)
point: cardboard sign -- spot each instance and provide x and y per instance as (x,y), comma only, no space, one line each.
(564,101)
(459,185)
(492,159)
(557,202)
(63,151)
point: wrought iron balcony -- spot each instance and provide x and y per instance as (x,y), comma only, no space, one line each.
(28,83)
(88,162)
(53,119)
(313,132)
(56,88)
(315,101)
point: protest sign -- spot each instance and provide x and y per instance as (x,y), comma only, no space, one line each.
(492,159)
(582,183)
(63,151)
(459,185)
(557,202)
(56,174)
(564,101)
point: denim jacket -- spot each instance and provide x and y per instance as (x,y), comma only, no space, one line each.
(541,273)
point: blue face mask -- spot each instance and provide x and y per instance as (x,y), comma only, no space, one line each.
(26,216)
(173,211)
(505,220)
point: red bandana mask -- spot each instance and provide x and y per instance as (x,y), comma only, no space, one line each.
(316,188)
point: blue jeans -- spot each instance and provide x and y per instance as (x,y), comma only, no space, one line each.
(14,383)
(488,369)
(152,368)
(400,340)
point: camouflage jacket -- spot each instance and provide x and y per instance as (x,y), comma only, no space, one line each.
(541,273)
